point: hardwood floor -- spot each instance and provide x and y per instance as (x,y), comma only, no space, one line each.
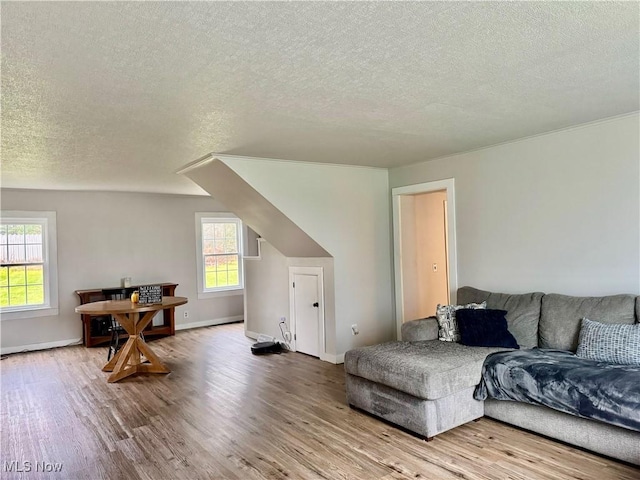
(225,414)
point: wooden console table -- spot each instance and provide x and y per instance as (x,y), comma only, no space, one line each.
(92,337)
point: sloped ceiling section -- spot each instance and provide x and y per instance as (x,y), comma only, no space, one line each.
(225,185)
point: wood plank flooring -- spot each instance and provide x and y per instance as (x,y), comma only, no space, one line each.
(225,414)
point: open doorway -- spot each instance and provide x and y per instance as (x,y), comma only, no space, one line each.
(423,237)
(424,249)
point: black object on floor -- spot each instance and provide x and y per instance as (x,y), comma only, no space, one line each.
(262,348)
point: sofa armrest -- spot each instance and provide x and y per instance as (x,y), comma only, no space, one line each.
(417,330)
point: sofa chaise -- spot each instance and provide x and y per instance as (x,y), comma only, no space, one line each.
(427,386)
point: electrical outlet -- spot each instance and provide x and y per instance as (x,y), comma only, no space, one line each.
(186,314)
(354,329)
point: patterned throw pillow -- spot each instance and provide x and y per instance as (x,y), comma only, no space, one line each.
(609,342)
(447,325)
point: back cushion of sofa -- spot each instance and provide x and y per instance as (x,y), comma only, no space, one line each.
(561,316)
(523,311)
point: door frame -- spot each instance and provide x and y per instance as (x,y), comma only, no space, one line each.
(319,272)
(447,185)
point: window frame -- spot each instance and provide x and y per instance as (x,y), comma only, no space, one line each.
(218,217)
(50,264)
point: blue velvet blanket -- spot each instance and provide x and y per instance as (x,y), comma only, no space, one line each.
(560,380)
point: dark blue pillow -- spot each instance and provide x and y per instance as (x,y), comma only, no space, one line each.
(484,328)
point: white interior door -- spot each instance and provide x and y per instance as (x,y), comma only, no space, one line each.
(307,309)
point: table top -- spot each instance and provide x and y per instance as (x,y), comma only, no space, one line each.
(127,306)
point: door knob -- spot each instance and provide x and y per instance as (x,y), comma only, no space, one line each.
(316,304)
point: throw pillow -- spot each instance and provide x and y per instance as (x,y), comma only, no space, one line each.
(609,342)
(447,326)
(485,328)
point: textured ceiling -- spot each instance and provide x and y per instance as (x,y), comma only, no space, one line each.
(119,95)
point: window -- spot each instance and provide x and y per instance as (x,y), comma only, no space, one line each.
(219,245)
(28,270)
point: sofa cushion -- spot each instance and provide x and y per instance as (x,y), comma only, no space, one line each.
(429,370)
(523,311)
(561,316)
(422,329)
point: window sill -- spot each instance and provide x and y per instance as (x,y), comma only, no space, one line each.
(221,293)
(31,313)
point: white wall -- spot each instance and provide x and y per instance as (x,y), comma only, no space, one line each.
(267,293)
(266,282)
(346,211)
(556,213)
(103,237)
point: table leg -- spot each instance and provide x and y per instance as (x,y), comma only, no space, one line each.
(127,360)
(129,327)
(154,365)
(112,363)
(122,368)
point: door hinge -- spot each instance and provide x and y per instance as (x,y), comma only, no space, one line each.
(295,336)
(294,284)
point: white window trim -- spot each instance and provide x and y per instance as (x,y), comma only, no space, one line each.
(50,251)
(221,291)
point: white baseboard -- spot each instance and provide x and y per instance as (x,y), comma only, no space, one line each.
(336,359)
(209,323)
(249,334)
(40,346)
(325,357)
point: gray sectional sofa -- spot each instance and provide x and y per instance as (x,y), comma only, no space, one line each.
(426,385)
